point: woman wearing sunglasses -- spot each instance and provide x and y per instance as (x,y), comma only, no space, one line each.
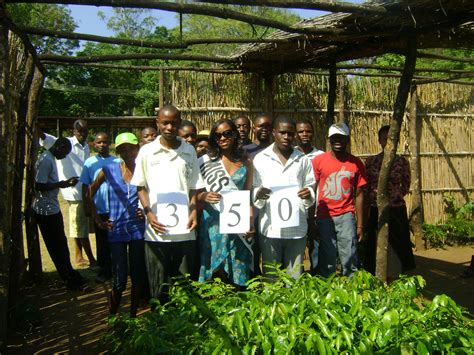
(225,167)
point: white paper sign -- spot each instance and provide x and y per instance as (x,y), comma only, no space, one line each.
(234,212)
(284,206)
(172,211)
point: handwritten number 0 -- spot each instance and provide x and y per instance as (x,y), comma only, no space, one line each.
(236,213)
(290,210)
(173,214)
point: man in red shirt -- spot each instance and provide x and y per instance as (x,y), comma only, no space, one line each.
(339,210)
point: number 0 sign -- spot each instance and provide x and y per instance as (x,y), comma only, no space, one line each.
(284,206)
(234,212)
(172,211)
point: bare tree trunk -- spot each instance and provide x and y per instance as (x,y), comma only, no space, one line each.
(32,236)
(389,156)
(416,213)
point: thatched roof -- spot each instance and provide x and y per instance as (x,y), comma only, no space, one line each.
(437,23)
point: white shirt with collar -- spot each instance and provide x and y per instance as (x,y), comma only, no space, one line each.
(312,154)
(70,166)
(270,171)
(161,170)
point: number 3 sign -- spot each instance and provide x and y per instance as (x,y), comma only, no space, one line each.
(172,211)
(234,212)
(284,206)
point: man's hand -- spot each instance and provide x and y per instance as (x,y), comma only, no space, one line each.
(157,226)
(304,193)
(360,233)
(69,182)
(107,225)
(263,193)
(192,222)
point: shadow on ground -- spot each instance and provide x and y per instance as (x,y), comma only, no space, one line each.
(444,276)
(52,319)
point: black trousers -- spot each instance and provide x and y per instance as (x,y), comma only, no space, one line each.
(52,230)
(104,258)
(398,238)
(166,260)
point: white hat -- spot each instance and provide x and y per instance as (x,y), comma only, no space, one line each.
(338,128)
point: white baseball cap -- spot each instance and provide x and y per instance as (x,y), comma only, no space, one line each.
(338,128)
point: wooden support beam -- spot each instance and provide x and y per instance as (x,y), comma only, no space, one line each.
(331,6)
(185,8)
(117,57)
(444,57)
(389,156)
(400,69)
(416,214)
(149,43)
(331,94)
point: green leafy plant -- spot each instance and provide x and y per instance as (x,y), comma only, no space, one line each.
(458,228)
(360,314)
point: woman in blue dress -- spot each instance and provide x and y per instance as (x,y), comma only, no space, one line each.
(126,225)
(225,167)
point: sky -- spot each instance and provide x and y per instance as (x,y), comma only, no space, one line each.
(88,21)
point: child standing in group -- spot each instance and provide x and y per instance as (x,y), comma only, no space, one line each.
(125,226)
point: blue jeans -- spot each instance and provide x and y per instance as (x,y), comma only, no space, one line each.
(121,259)
(337,236)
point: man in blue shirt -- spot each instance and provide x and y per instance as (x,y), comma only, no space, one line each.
(92,167)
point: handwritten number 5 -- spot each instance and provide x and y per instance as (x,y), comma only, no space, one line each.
(236,213)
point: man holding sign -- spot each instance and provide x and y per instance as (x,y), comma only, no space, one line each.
(284,184)
(167,176)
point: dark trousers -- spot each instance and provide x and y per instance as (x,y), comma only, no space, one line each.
(165,260)
(398,238)
(52,230)
(104,258)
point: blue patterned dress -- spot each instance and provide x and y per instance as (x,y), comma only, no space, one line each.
(223,251)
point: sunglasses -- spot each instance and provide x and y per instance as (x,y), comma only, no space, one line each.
(226,134)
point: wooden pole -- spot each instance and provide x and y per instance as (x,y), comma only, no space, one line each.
(187,8)
(4,206)
(389,156)
(416,213)
(32,235)
(17,253)
(269,96)
(162,88)
(331,98)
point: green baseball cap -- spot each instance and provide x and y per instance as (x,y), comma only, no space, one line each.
(126,137)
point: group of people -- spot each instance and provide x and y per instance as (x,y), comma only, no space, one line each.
(161,208)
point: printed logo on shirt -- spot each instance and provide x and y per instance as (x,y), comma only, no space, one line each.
(338,186)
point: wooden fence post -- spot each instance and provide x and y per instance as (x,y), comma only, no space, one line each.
(389,156)
(17,253)
(416,214)
(32,235)
(4,203)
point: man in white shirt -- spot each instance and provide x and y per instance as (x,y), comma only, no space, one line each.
(276,166)
(304,138)
(168,164)
(69,167)
(48,214)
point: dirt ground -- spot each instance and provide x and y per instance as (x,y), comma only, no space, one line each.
(74,322)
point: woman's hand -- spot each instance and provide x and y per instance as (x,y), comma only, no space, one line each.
(212,197)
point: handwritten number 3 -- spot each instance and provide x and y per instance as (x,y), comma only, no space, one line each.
(236,213)
(173,214)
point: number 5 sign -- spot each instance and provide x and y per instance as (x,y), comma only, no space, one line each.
(234,212)
(284,206)
(172,211)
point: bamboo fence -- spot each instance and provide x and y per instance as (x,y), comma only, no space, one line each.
(446,145)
